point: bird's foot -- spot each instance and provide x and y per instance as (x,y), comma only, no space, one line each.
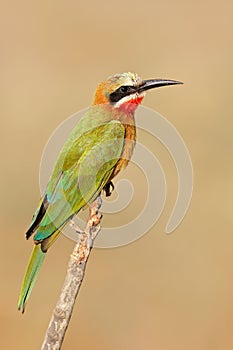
(108,189)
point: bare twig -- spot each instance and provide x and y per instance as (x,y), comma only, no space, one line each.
(75,273)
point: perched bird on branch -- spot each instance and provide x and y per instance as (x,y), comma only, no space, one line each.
(99,146)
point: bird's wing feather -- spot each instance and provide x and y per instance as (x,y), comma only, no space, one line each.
(77,142)
(83,176)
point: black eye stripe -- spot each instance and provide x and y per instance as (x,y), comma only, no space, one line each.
(121,92)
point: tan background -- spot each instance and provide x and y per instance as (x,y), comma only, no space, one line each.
(161,292)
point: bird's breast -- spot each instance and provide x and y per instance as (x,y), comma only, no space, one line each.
(129,143)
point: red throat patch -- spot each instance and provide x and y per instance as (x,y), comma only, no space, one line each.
(131,105)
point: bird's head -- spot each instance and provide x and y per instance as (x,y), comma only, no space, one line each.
(126,90)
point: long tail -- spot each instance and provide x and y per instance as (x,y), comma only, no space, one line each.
(30,277)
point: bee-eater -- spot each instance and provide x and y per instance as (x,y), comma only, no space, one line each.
(100,145)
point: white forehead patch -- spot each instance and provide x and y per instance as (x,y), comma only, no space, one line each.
(127,78)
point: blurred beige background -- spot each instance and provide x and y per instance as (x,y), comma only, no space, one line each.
(161,292)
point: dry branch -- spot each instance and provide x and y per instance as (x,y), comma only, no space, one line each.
(74,276)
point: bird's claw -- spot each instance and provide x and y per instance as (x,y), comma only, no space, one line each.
(108,189)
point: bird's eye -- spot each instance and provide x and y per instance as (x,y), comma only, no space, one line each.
(120,93)
(123,89)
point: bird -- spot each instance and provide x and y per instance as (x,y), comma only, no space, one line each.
(98,148)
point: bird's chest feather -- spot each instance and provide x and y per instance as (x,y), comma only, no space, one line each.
(129,143)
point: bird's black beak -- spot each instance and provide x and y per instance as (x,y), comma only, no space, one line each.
(155,83)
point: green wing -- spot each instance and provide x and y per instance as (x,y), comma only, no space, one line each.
(86,167)
(72,150)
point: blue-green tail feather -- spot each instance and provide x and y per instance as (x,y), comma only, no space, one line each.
(30,277)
